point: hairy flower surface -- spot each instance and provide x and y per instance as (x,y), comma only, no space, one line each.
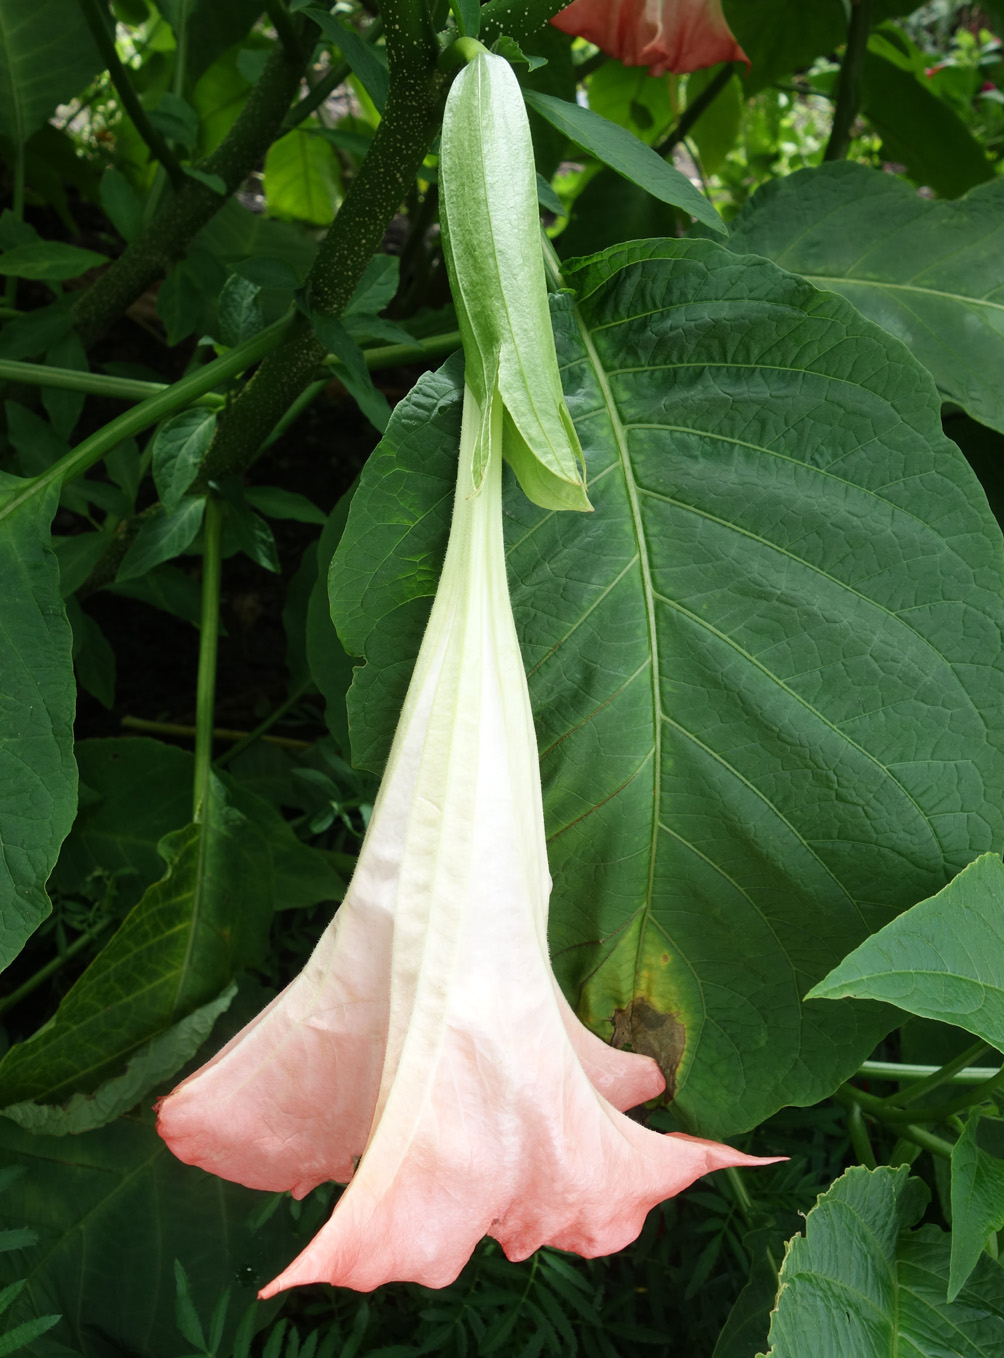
(425,1054)
(664,35)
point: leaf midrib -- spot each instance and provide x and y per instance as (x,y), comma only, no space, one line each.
(641,545)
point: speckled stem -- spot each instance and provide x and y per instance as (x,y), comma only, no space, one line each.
(159,247)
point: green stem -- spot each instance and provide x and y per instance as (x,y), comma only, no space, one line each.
(132,389)
(693,111)
(849,1096)
(209,636)
(174,728)
(860,1140)
(907,1073)
(938,1077)
(395,155)
(95,384)
(79,459)
(96,18)
(164,241)
(67,955)
(849,84)
(260,732)
(283,24)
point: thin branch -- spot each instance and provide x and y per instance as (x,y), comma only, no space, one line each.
(693,111)
(96,18)
(155,251)
(849,85)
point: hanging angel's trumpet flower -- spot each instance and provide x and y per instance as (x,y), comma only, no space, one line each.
(664,35)
(426,1055)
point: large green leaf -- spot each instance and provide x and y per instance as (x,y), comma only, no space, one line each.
(205,919)
(766,673)
(111,1214)
(929,272)
(47,55)
(943,960)
(858,1283)
(38,778)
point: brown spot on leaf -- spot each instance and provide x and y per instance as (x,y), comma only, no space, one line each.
(643,1028)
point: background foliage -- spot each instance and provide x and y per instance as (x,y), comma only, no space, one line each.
(766,671)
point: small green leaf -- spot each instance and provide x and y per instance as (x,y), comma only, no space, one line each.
(548,199)
(468,16)
(302,179)
(186,294)
(176,119)
(26,1333)
(29,335)
(53,261)
(177,948)
(185,1315)
(275,502)
(93,657)
(944,959)
(150,1065)
(64,407)
(330,665)
(77,557)
(212,181)
(178,449)
(353,373)
(121,203)
(368,62)
(162,536)
(238,311)
(247,531)
(977,1203)
(627,155)
(375,289)
(167,588)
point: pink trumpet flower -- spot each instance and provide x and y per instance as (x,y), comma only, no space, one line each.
(425,1054)
(664,35)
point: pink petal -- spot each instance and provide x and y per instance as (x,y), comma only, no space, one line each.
(664,35)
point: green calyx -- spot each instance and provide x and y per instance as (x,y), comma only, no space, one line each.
(491,241)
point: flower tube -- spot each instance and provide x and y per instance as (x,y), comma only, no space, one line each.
(664,35)
(425,1054)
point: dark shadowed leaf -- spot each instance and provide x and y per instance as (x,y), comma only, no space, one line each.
(88,1208)
(38,778)
(206,918)
(47,55)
